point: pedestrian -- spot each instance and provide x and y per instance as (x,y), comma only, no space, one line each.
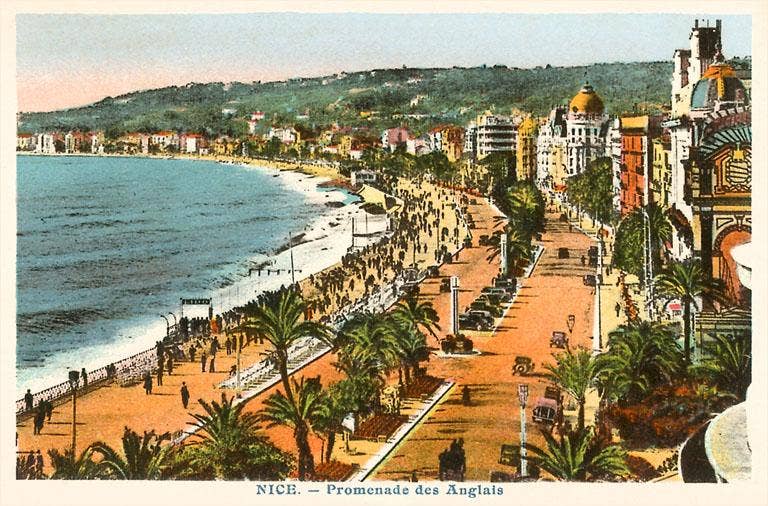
(570,227)
(212,364)
(228,345)
(192,352)
(39,420)
(203,358)
(169,365)
(618,309)
(160,375)
(215,346)
(38,464)
(84,376)
(184,394)
(147,383)
(233,370)
(583,261)
(29,400)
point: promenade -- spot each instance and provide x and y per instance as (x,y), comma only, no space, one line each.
(554,291)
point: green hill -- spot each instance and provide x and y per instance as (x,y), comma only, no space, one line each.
(451,95)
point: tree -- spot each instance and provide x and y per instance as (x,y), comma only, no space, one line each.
(280,320)
(518,249)
(228,446)
(574,372)
(578,456)
(640,357)
(300,415)
(68,467)
(412,349)
(592,190)
(728,364)
(686,281)
(631,238)
(143,458)
(410,311)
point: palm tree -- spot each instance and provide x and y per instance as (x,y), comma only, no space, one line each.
(686,281)
(421,315)
(280,320)
(412,349)
(301,416)
(68,467)
(518,248)
(631,237)
(526,209)
(728,364)
(143,457)
(575,372)
(641,356)
(228,446)
(578,457)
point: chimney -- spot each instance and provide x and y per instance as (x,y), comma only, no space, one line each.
(718,24)
(696,23)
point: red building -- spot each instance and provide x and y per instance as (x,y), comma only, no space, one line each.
(636,160)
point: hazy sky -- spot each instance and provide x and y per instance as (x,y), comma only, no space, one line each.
(71,60)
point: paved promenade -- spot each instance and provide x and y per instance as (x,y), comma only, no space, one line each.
(554,291)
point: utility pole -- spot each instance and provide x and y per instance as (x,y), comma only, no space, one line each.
(290,250)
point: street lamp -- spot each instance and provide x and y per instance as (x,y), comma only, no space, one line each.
(175,323)
(74,379)
(167,325)
(648,259)
(522,395)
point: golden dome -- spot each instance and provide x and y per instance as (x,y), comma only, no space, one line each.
(586,101)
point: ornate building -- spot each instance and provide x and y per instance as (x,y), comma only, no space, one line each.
(585,129)
(550,152)
(526,149)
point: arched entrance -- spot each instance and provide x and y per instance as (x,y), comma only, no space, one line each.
(723,265)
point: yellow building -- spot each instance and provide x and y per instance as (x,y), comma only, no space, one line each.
(345,146)
(661,176)
(526,149)
(452,142)
(225,146)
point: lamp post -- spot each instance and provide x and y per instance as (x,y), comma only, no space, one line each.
(522,395)
(167,325)
(74,380)
(648,259)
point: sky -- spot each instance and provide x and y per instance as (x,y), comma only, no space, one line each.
(71,60)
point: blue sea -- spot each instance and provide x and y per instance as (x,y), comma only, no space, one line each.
(107,244)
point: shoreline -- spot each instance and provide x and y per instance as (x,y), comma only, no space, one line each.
(313,248)
(308,168)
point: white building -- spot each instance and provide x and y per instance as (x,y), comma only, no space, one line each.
(287,135)
(495,134)
(45,144)
(584,129)
(550,150)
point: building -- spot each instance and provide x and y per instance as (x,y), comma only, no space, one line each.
(613,151)
(25,142)
(551,171)
(711,164)
(391,138)
(526,167)
(586,125)
(165,139)
(470,140)
(193,143)
(96,141)
(45,143)
(361,177)
(286,135)
(661,173)
(636,160)
(495,134)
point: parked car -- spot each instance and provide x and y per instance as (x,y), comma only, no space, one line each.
(563,253)
(501,293)
(592,280)
(493,299)
(484,305)
(508,284)
(592,251)
(484,241)
(445,285)
(433,271)
(475,320)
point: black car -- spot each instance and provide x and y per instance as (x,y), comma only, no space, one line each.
(592,280)
(509,284)
(563,253)
(433,271)
(475,320)
(484,305)
(445,285)
(484,241)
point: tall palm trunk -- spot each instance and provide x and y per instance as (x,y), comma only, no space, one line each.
(306,461)
(282,366)
(331,443)
(581,421)
(407,374)
(687,330)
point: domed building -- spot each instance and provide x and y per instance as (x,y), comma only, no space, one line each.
(586,123)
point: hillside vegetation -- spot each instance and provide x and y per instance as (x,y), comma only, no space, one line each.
(450,95)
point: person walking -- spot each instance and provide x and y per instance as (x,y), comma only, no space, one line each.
(184,394)
(147,383)
(203,359)
(192,352)
(212,364)
(618,309)
(583,261)
(38,464)
(228,345)
(39,420)
(29,400)
(169,365)
(84,376)
(160,375)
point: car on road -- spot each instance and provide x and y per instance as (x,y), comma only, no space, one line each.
(501,293)
(484,241)
(475,320)
(563,253)
(484,305)
(508,284)
(590,280)
(445,285)
(433,271)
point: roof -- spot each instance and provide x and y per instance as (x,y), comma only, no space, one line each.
(634,123)
(587,101)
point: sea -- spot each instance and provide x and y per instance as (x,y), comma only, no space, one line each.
(106,245)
